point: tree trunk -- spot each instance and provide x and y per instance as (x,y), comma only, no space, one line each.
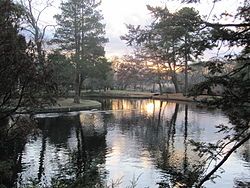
(175,82)
(159,78)
(173,71)
(186,68)
(77,59)
(160,87)
(80,84)
(77,88)
(186,79)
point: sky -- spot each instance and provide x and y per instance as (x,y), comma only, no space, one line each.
(117,13)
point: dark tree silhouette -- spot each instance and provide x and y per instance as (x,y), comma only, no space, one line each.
(22,84)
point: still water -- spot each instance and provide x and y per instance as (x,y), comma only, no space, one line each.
(129,142)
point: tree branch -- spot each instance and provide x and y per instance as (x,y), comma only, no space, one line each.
(44,30)
(234,148)
(227,25)
(40,12)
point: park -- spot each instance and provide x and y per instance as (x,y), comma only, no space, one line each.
(163,102)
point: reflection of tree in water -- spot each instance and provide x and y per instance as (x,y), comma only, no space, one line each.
(241,184)
(90,154)
(79,140)
(157,134)
(54,131)
(78,163)
(13,134)
(176,164)
(246,151)
(57,129)
(106,102)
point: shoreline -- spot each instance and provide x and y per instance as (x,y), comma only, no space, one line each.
(65,105)
(141,95)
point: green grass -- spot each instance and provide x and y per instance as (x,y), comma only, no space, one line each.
(67,105)
(69,102)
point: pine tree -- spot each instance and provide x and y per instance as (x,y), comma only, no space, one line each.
(81,33)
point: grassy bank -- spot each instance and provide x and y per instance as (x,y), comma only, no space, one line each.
(147,95)
(118,94)
(68,105)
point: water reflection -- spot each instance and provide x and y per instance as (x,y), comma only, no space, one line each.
(154,131)
(163,129)
(64,152)
(129,139)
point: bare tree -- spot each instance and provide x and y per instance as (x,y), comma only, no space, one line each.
(33,25)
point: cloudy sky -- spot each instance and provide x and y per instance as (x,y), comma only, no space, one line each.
(117,13)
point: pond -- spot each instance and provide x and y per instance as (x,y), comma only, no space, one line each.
(127,143)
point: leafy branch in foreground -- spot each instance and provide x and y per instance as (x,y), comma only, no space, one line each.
(211,153)
(235,87)
(235,100)
(224,159)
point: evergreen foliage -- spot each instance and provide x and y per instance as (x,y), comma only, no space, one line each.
(81,33)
